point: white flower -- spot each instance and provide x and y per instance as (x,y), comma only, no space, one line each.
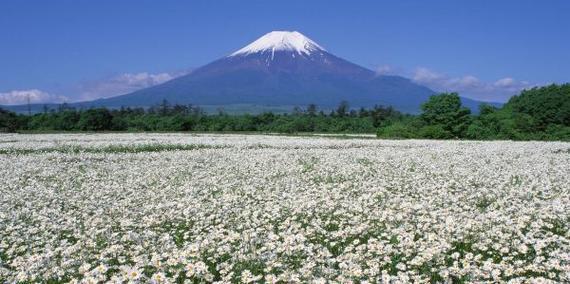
(158,278)
(132,273)
(246,276)
(296,209)
(84,268)
(190,269)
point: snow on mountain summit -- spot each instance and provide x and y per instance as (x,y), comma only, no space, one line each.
(281,41)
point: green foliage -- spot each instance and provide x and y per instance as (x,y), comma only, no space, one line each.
(445,112)
(165,117)
(397,130)
(8,121)
(557,132)
(342,109)
(536,114)
(435,132)
(543,106)
(95,120)
(142,148)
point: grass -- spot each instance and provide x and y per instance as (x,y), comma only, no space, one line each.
(112,149)
(364,162)
(561,151)
(308,164)
(484,202)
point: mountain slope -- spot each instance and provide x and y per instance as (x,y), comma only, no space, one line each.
(281,69)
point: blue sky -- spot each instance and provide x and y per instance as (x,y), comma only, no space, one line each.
(76,49)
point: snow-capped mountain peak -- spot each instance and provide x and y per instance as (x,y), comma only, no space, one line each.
(281,41)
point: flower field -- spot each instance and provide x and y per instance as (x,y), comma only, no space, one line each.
(178,208)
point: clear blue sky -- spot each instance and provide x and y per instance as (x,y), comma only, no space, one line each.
(60,47)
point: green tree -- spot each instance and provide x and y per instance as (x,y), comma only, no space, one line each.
(543,106)
(397,130)
(95,120)
(312,109)
(66,120)
(8,121)
(446,111)
(435,132)
(342,109)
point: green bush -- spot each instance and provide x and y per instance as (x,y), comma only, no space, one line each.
(397,130)
(478,131)
(435,132)
(557,132)
(446,111)
(8,121)
(536,114)
(95,120)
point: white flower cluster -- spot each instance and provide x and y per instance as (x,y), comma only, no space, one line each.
(281,209)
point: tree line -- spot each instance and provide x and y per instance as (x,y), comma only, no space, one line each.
(166,117)
(536,114)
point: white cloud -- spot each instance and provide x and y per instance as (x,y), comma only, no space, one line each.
(443,82)
(469,85)
(424,75)
(505,82)
(90,90)
(122,84)
(17,97)
(385,70)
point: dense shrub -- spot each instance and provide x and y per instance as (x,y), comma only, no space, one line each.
(8,121)
(445,112)
(435,132)
(397,130)
(536,114)
(183,118)
(95,120)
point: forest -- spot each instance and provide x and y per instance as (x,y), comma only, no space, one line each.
(536,114)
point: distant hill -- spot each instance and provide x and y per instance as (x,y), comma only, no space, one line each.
(279,70)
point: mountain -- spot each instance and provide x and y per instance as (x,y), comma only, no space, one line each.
(281,68)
